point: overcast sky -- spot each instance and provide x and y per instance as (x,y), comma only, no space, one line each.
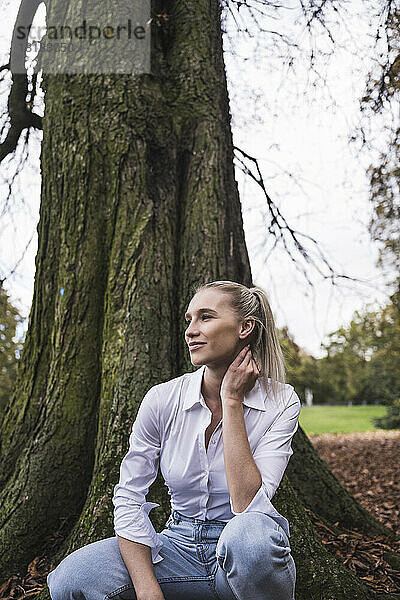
(316,176)
(299,131)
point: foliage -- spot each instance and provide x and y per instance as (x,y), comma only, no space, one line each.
(363,360)
(392,418)
(301,367)
(9,348)
(381,98)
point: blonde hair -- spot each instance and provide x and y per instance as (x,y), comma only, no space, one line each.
(264,343)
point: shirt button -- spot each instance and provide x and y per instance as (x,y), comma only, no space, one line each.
(213,441)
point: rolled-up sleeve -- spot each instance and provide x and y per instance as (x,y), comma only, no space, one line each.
(271,456)
(138,470)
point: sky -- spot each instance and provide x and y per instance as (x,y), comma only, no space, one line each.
(298,128)
(312,171)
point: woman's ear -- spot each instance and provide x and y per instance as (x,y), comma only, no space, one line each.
(247,327)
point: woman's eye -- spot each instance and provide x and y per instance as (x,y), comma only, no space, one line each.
(187,321)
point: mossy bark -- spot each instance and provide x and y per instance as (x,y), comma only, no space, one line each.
(187,158)
(139,204)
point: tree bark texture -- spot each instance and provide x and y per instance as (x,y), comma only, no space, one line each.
(139,204)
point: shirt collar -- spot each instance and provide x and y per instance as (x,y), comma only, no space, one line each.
(255,398)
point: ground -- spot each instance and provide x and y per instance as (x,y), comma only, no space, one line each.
(368,465)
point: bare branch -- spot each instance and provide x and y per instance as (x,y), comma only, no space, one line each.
(21,116)
(283,233)
(19,261)
(19,110)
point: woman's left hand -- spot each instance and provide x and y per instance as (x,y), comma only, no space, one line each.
(240,377)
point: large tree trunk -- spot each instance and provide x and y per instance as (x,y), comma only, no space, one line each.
(139,204)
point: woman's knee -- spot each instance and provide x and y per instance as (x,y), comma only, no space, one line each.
(254,542)
(68,580)
(65,581)
(88,572)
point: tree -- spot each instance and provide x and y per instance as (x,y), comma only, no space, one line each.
(139,204)
(362,362)
(387,363)
(381,99)
(301,367)
(9,348)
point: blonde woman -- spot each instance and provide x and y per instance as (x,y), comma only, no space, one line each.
(222,439)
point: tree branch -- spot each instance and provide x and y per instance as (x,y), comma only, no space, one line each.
(283,233)
(19,110)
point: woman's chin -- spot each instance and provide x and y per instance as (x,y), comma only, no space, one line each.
(196,361)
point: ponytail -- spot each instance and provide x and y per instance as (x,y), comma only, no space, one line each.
(264,343)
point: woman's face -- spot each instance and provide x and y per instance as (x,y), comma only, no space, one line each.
(213,324)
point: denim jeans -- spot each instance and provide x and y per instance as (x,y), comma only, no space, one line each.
(247,558)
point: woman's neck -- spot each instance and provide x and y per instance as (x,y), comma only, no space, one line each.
(211,384)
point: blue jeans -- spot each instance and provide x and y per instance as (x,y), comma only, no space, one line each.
(247,558)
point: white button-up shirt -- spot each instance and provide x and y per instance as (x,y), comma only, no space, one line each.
(169,432)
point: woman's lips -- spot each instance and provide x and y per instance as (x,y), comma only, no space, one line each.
(196,346)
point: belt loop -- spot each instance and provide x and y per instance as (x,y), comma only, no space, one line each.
(175,517)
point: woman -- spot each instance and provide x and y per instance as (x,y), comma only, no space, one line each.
(222,438)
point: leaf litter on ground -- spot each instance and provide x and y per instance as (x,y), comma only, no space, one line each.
(368,465)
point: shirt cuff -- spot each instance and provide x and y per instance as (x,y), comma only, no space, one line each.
(261,503)
(140,529)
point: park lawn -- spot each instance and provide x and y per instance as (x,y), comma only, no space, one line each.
(339,419)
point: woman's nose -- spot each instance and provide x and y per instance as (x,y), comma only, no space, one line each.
(192,329)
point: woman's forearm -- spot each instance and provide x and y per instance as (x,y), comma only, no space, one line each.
(242,474)
(137,558)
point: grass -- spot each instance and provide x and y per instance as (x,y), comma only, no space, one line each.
(339,419)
